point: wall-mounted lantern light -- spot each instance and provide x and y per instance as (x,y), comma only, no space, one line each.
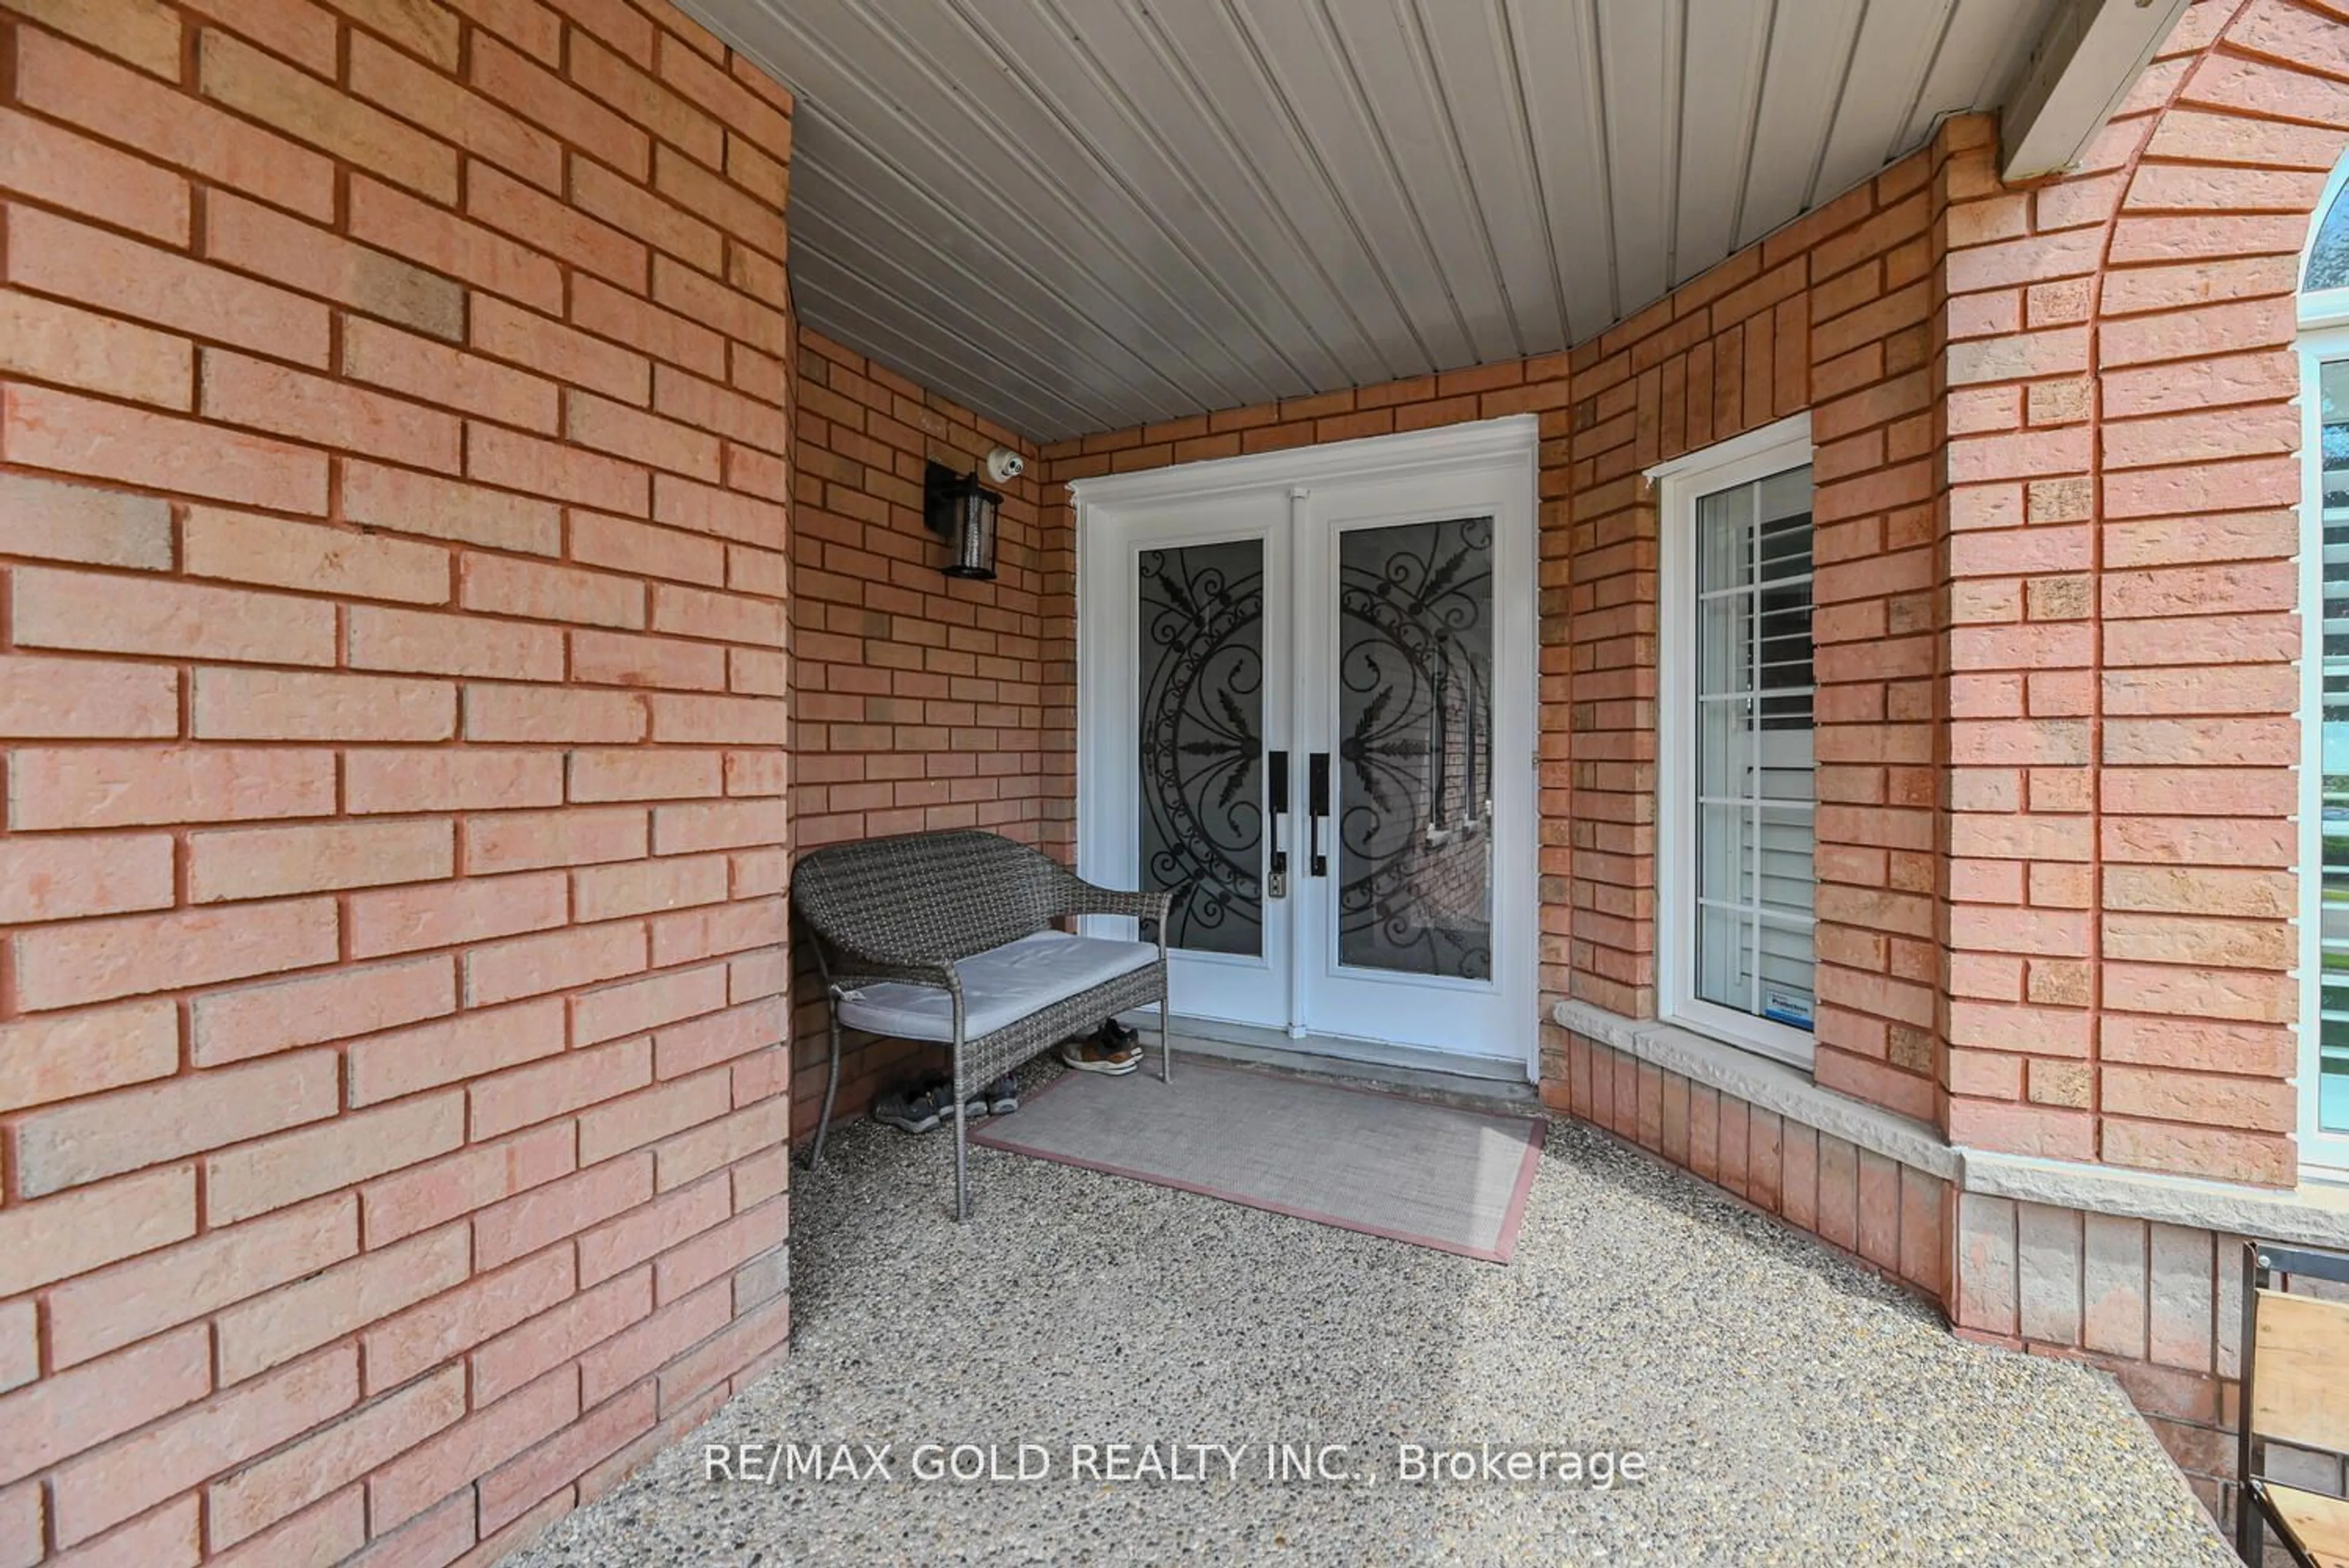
(962,511)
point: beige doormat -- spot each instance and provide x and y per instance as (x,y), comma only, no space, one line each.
(1361,1160)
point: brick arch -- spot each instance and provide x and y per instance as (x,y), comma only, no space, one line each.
(2121,486)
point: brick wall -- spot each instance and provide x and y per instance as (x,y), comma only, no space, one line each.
(392,482)
(920,701)
(2123,495)
(1837,308)
(1831,314)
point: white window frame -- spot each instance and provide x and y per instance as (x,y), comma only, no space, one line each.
(1756,454)
(2323,335)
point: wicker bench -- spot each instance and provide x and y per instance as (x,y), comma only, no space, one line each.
(952,937)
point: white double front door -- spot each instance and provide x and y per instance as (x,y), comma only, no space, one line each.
(1305,688)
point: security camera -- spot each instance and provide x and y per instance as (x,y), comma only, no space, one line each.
(1004,465)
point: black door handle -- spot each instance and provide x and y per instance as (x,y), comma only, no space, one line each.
(1317,806)
(1275,782)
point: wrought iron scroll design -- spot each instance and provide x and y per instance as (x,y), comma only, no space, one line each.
(1202,737)
(1415,731)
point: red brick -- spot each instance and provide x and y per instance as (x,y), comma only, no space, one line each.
(42,428)
(554,714)
(556,226)
(248,547)
(398,222)
(325,1533)
(266,862)
(473,909)
(684,829)
(639,1352)
(628,432)
(637,211)
(640,774)
(52,520)
(389,780)
(416,641)
(417,26)
(411,1200)
(123,789)
(699,933)
(509,78)
(242,390)
(323,117)
(86,698)
(166,1538)
(753,1333)
(402,1346)
(736,315)
(531,966)
(124,107)
(641,1118)
(69,1413)
(525,1223)
(44,1060)
(701,509)
(506,1101)
(693,1154)
(639,1234)
(616,659)
(57,256)
(525,840)
(424,368)
(421,504)
(608,892)
(550,347)
(500,585)
(50,163)
(448,1461)
(48,340)
(256,239)
(636,1006)
(558,1335)
(664,333)
(102,1489)
(271,1174)
(729,616)
(686,1268)
(59,966)
(518,462)
(72,610)
(391,78)
(645,101)
(76,1144)
(387,1066)
(289,705)
(739,214)
(144,1296)
(258,1021)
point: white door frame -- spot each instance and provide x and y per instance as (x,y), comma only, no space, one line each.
(1515,439)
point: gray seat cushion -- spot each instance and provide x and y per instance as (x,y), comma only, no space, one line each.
(1000,986)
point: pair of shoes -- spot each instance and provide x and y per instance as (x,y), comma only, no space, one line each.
(915,1110)
(1002,1096)
(924,1109)
(1111,1048)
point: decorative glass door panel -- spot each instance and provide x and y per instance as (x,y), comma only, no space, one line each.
(1200,612)
(1306,716)
(1414,754)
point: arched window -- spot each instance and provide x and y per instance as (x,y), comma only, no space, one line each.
(2324,683)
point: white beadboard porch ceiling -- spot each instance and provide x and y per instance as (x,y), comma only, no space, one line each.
(1075,216)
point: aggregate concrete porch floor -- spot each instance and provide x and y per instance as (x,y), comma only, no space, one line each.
(1793,1409)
